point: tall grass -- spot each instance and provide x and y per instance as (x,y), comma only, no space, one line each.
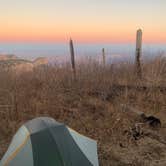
(90,104)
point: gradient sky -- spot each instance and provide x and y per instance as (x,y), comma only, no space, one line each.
(84,20)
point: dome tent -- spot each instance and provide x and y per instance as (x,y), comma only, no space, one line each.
(45,142)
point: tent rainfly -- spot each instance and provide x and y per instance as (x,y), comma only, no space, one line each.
(45,142)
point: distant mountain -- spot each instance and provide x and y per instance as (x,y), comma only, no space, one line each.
(40,61)
(7,57)
(12,62)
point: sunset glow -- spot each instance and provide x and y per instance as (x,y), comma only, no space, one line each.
(84,20)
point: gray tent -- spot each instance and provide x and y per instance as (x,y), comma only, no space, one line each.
(45,142)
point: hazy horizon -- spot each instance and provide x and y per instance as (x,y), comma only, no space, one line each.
(59,52)
(50,49)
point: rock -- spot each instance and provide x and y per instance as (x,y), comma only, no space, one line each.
(151,120)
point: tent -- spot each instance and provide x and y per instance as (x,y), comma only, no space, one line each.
(46,142)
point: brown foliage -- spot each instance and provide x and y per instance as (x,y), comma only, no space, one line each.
(90,105)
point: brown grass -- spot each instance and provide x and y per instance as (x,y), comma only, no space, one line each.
(90,105)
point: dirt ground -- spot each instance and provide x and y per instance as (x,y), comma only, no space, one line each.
(112,127)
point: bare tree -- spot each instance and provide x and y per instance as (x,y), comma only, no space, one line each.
(104,58)
(138,53)
(72,58)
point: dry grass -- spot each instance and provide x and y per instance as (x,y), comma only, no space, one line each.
(90,105)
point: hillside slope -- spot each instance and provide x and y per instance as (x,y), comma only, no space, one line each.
(12,62)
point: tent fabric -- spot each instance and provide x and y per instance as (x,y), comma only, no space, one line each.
(39,124)
(18,142)
(26,150)
(87,145)
(45,142)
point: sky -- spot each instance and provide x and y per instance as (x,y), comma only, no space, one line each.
(94,21)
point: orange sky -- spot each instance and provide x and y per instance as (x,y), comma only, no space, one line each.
(83,20)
